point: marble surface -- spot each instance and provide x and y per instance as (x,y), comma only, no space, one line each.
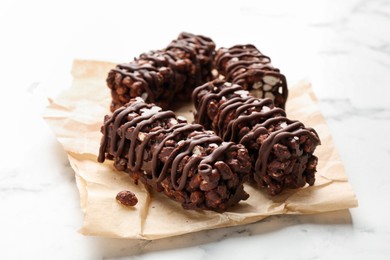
(342,47)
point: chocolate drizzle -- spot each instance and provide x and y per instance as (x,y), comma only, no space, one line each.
(247,66)
(281,149)
(191,165)
(160,76)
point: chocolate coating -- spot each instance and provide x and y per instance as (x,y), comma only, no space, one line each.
(247,66)
(281,149)
(163,75)
(190,165)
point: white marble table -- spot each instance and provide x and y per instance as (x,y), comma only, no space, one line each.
(342,47)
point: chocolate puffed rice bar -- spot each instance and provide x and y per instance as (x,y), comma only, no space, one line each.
(247,66)
(189,164)
(162,76)
(281,149)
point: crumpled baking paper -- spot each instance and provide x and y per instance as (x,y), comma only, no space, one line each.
(76,117)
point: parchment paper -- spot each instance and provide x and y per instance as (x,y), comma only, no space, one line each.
(76,116)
